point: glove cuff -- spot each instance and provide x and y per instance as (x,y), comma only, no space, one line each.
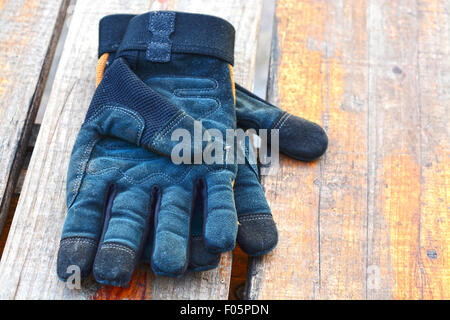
(111,31)
(162,33)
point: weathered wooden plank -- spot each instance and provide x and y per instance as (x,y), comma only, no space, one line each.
(395,152)
(370,220)
(433,80)
(27,269)
(343,182)
(317,74)
(411,151)
(292,278)
(29,30)
(15,196)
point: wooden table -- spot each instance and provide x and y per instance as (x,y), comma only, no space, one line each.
(370,220)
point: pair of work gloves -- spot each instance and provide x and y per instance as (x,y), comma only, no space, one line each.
(159,74)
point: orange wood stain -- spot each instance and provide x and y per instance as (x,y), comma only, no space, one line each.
(434,46)
(400,208)
(238,272)
(28,10)
(300,77)
(139,288)
(312,83)
(224,266)
(323,73)
(435,226)
(292,192)
(4,84)
(141,282)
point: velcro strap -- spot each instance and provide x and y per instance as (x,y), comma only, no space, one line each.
(163,33)
(161,25)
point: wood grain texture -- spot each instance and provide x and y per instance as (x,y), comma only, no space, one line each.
(371,219)
(434,100)
(29,30)
(28,265)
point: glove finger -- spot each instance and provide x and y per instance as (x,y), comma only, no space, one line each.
(172,232)
(220,227)
(200,259)
(298,138)
(123,236)
(83,227)
(257,233)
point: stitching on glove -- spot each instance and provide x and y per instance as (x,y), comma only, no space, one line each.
(209,112)
(205,114)
(70,240)
(178,93)
(284,120)
(168,127)
(182,116)
(255,217)
(119,246)
(144,179)
(139,45)
(82,168)
(161,25)
(134,115)
(281,121)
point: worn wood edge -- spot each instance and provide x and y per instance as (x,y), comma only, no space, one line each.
(19,183)
(32,110)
